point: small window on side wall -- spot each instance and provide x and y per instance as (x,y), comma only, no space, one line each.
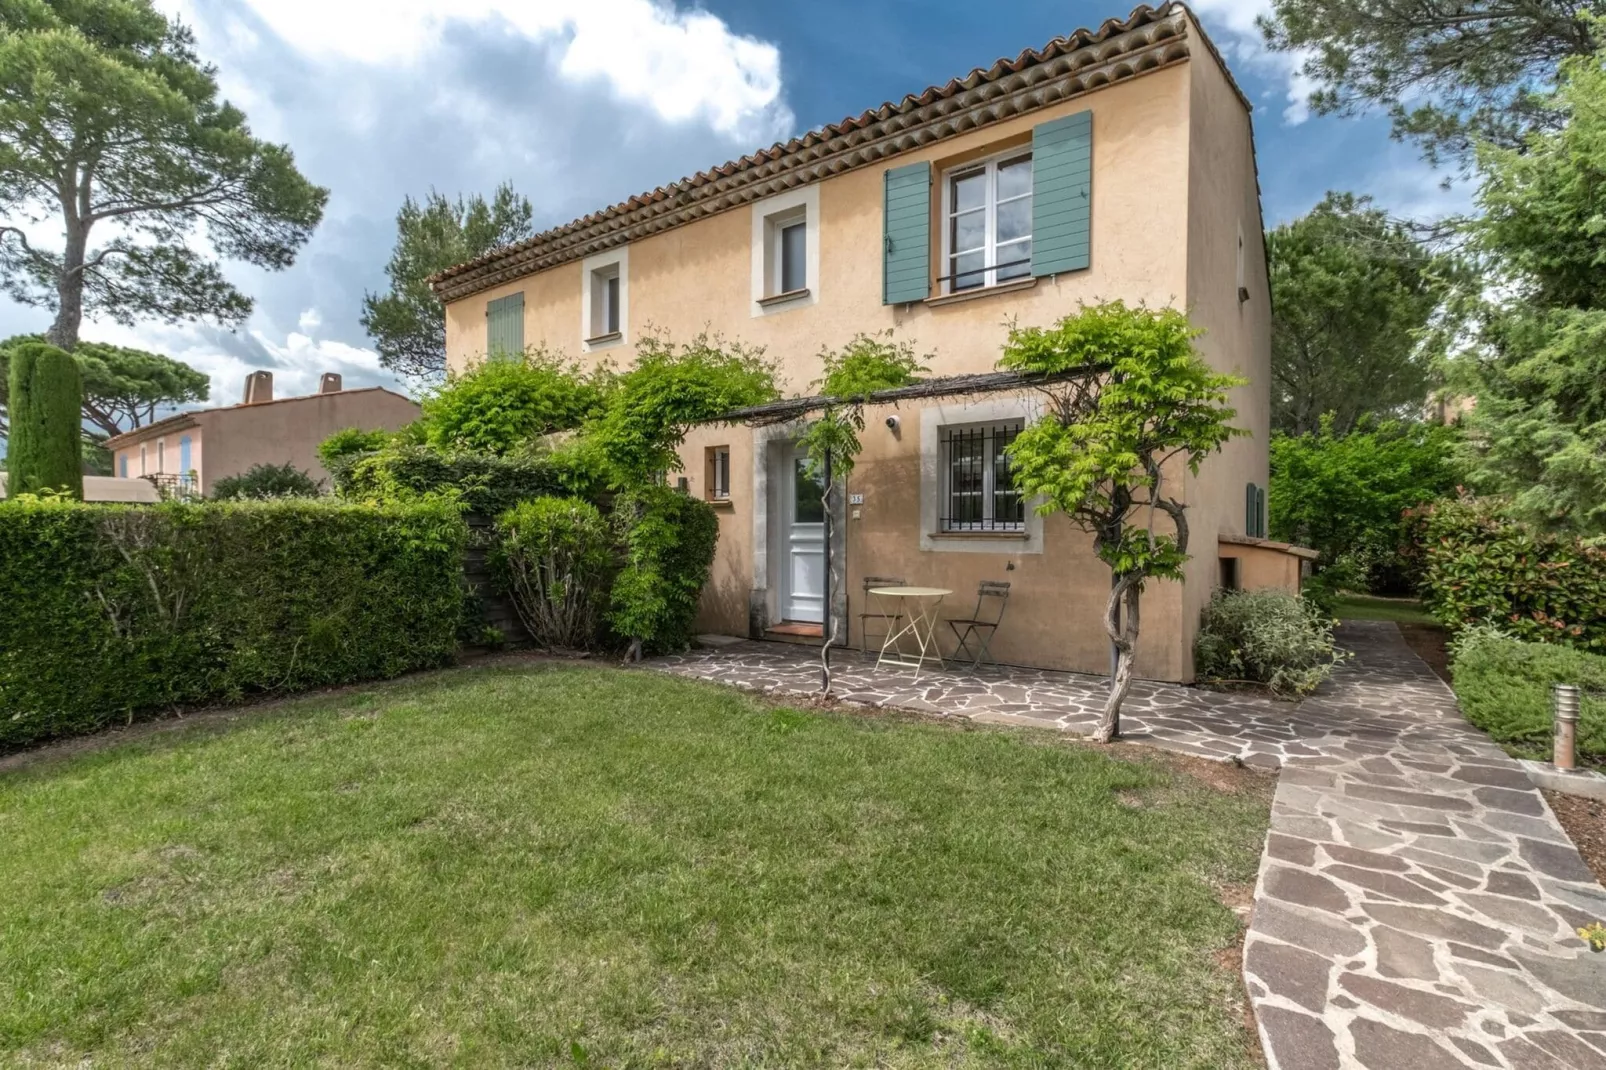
(1254,511)
(718,477)
(605,309)
(1229,573)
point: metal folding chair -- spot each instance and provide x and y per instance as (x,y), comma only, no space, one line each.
(891,619)
(980,627)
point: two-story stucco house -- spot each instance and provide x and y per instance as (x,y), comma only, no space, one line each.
(189,452)
(1115,163)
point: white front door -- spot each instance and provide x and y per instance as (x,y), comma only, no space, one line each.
(802,515)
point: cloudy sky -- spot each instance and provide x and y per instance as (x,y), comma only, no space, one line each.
(581,103)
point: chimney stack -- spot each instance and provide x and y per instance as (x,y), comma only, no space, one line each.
(330,383)
(258,388)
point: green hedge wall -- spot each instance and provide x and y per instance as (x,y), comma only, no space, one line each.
(1504,688)
(116,612)
(1480,566)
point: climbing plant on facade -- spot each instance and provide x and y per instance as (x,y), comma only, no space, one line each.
(868,363)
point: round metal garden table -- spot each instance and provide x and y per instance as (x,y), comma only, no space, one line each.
(918,606)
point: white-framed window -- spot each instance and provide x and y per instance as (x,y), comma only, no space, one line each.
(786,255)
(719,473)
(142,457)
(161,455)
(987,222)
(605,299)
(978,489)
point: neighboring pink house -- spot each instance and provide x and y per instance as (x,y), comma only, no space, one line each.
(191,451)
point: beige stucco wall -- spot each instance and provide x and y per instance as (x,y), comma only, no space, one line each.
(1172,181)
(1264,566)
(1223,201)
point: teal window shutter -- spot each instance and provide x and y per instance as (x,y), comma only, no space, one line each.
(906,235)
(504,327)
(1251,509)
(1062,194)
(1260,510)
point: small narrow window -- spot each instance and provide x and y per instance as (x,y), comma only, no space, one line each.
(161,455)
(607,304)
(979,491)
(719,473)
(794,257)
(122,465)
(142,457)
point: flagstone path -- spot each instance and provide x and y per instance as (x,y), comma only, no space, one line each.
(1417,900)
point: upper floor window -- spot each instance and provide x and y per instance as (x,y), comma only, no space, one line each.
(606,299)
(987,208)
(504,327)
(786,257)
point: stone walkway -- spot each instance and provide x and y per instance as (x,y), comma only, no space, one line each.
(1417,900)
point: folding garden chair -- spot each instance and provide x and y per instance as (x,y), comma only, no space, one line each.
(890,620)
(980,627)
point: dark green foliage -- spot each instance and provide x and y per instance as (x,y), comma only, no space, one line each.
(1344,495)
(266,481)
(117,612)
(484,483)
(1504,684)
(348,442)
(408,324)
(504,406)
(668,540)
(43,452)
(1267,636)
(554,555)
(1352,293)
(671,388)
(1479,565)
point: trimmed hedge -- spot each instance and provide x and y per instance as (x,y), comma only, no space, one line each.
(1504,687)
(485,483)
(1479,565)
(116,612)
(669,540)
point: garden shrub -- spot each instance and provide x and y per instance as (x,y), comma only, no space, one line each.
(501,406)
(483,482)
(1504,686)
(45,395)
(1268,636)
(668,540)
(1478,564)
(264,481)
(554,555)
(351,441)
(114,612)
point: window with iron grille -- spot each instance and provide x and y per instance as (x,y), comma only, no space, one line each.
(978,489)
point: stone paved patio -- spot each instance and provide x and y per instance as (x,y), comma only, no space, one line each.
(1417,899)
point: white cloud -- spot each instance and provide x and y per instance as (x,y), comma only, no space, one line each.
(683,65)
(1232,23)
(310,320)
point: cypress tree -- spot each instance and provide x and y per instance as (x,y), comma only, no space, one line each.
(46,397)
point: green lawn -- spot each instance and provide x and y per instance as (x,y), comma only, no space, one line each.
(1349,606)
(525,866)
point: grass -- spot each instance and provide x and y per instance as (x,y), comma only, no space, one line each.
(577,866)
(1350,606)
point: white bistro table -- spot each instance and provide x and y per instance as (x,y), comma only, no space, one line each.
(918,606)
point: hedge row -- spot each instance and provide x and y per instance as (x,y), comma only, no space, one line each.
(116,612)
(1480,566)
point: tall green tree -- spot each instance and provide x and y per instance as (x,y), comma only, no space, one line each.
(111,126)
(1112,444)
(123,388)
(1353,294)
(1537,434)
(43,451)
(408,324)
(1449,74)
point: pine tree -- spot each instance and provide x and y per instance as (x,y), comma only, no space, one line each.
(46,392)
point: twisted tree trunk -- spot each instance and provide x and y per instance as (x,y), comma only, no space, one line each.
(1122,629)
